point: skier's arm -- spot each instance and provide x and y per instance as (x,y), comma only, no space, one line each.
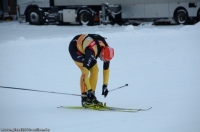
(106,72)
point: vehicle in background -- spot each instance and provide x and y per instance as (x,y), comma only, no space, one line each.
(1,15)
(1,10)
(90,12)
(8,9)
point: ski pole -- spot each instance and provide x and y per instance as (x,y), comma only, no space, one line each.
(42,91)
(118,88)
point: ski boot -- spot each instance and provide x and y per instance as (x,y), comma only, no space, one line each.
(85,101)
(89,100)
(96,103)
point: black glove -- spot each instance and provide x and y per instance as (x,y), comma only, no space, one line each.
(104,90)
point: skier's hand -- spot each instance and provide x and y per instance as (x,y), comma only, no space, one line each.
(104,90)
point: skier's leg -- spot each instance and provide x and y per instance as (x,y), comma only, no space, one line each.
(94,77)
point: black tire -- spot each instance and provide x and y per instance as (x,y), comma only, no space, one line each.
(35,17)
(181,17)
(85,17)
(198,16)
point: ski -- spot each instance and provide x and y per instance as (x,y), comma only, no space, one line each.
(130,109)
(105,108)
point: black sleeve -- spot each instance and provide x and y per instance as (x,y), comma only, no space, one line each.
(90,60)
(106,65)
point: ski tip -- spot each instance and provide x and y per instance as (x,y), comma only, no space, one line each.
(145,109)
(149,108)
(59,106)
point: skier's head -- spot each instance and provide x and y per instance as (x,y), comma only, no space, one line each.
(107,53)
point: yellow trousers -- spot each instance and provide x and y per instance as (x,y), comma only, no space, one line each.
(93,77)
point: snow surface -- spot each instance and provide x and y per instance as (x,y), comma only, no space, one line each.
(161,64)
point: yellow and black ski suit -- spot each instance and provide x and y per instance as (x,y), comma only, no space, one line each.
(84,50)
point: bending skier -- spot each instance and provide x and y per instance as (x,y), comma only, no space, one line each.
(84,50)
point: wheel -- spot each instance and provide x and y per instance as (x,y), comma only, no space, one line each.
(35,17)
(198,16)
(181,17)
(85,17)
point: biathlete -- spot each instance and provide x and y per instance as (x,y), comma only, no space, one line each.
(84,50)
